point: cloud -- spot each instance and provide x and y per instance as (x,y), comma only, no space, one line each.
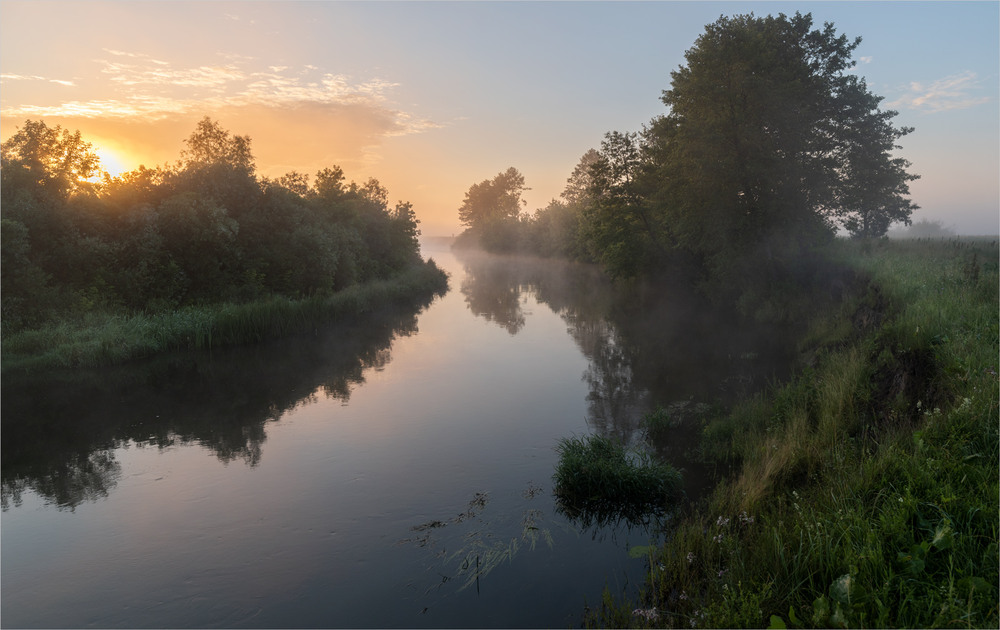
(21,77)
(953,92)
(300,117)
(149,89)
(145,89)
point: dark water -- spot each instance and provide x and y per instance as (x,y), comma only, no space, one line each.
(393,472)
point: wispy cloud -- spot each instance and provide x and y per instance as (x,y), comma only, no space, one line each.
(148,108)
(957,91)
(153,89)
(21,77)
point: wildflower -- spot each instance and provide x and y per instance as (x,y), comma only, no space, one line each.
(746,519)
(691,556)
(722,522)
(684,596)
(647,613)
(718,538)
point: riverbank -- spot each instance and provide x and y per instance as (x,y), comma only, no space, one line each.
(106,339)
(865,490)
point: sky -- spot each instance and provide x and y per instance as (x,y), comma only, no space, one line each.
(432,97)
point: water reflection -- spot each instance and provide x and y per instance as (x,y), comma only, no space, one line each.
(61,430)
(492,291)
(647,344)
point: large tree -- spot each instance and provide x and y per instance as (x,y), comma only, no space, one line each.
(770,139)
(493,200)
(618,226)
(48,160)
(492,210)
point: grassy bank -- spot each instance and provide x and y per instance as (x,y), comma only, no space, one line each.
(866,488)
(102,339)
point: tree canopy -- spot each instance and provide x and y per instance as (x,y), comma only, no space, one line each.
(493,200)
(205,230)
(770,144)
(492,210)
(773,138)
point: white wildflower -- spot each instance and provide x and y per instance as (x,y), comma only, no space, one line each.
(647,613)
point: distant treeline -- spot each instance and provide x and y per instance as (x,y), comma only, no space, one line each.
(206,230)
(770,146)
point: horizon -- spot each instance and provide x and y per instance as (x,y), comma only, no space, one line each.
(431,98)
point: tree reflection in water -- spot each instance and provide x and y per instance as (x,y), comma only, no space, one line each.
(61,429)
(647,344)
(492,291)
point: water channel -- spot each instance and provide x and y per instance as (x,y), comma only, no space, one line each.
(390,472)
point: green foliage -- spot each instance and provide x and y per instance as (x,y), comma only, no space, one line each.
(599,481)
(771,141)
(492,211)
(103,339)
(50,162)
(204,232)
(657,423)
(866,491)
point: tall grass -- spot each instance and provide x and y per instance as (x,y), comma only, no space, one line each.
(598,481)
(867,487)
(104,339)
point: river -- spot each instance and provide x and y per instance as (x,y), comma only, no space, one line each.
(391,472)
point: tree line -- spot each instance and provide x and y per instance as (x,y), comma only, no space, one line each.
(771,144)
(207,229)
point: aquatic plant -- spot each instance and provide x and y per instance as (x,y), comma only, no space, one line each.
(483,548)
(599,481)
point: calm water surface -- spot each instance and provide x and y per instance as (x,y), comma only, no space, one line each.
(355,477)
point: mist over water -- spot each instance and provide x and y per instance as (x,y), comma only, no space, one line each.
(390,472)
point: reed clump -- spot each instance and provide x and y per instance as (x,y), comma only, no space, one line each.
(599,481)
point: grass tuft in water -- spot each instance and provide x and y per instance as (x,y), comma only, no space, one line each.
(599,481)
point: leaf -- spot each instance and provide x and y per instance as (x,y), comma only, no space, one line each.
(777,623)
(976,584)
(838,618)
(821,612)
(840,590)
(792,618)
(639,551)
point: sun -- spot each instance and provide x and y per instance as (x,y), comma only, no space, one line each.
(111,160)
